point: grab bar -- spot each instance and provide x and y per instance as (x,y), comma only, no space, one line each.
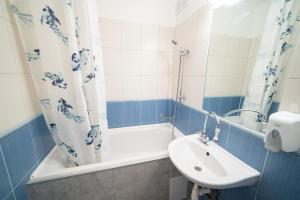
(264,118)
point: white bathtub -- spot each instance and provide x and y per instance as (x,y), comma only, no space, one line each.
(121,147)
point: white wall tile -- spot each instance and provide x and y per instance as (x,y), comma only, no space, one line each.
(250,66)
(132,35)
(149,37)
(214,66)
(4,12)
(132,62)
(149,87)
(142,61)
(165,62)
(165,37)
(192,34)
(30,98)
(245,86)
(12,107)
(179,33)
(175,64)
(218,86)
(244,47)
(234,86)
(231,46)
(8,64)
(114,88)
(163,87)
(236,67)
(174,87)
(20,60)
(218,45)
(112,61)
(149,62)
(229,65)
(195,61)
(295,69)
(226,67)
(197,27)
(19,99)
(111,32)
(132,87)
(254,46)
(193,88)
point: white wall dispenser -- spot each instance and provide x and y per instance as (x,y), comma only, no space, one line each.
(283,132)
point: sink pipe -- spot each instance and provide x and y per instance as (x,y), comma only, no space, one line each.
(200,191)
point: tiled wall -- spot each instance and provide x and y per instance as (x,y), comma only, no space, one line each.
(279,171)
(137,60)
(222,105)
(193,35)
(24,137)
(229,65)
(20,152)
(280,175)
(18,98)
(132,113)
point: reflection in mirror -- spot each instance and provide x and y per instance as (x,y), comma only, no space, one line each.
(252,65)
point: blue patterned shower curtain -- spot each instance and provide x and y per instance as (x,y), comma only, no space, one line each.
(61,42)
(280,30)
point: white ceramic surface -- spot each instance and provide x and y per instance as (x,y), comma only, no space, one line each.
(218,168)
(120,147)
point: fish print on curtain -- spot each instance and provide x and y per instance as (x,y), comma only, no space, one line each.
(61,44)
(277,40)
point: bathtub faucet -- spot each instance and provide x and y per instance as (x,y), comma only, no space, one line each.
(166,118)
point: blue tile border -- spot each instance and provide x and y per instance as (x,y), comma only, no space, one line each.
(115,114)
(5,186)
(8,131)
(222,104)
(246,147)
(148,112)
(133,113)
(281,177)
(21,151)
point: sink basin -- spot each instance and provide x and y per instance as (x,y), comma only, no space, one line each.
(209,165)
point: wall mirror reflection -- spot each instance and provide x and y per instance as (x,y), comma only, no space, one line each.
(253,67)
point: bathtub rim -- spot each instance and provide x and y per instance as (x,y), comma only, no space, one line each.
(90,168)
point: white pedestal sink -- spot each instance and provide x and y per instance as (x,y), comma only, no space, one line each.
(209,165)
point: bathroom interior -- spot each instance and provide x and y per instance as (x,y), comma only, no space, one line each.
(150,100)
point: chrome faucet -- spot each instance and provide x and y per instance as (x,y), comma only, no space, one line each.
(203,133)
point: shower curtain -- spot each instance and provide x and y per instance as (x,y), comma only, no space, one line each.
(271,61)
(61,42)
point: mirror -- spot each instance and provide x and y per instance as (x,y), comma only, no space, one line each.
(253,69)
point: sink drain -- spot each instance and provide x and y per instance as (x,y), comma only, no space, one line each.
(197,168)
